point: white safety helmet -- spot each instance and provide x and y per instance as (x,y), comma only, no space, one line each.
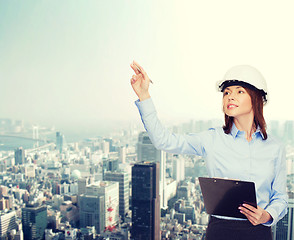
(245,76)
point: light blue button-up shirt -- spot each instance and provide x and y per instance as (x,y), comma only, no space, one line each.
(229,156)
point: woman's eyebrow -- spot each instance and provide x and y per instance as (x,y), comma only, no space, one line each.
(228,88)
(242,88)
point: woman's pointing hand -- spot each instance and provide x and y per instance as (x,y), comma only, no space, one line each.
(140,81)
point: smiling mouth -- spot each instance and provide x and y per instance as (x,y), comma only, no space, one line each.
(231,106)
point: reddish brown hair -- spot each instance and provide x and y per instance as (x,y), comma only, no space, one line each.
(257,105)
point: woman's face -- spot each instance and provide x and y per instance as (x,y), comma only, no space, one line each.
(236,102)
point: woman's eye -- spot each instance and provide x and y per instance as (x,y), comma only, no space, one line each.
(226,93)
(241,91)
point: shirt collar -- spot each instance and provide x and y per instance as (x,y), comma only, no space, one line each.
(258,132)
(235,131)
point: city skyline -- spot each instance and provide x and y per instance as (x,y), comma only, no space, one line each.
(98,184)
(69,66)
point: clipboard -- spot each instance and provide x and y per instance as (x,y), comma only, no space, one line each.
(223,196)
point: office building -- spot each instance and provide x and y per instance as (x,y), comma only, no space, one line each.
(92,212)
(82,184)
(284,230)
(178,172)
(99,205)
(105,147)
(3,166)
(124,191)
(59,141)
(122,154)
(3,191)
(34,221)
(7,223)
(145,201)
(19,155)
(147,152)
(111,148)
(29,171)
(110,165)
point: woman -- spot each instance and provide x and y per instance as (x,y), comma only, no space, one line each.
(240,150)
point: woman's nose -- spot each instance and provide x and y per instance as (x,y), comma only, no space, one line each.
(232,96)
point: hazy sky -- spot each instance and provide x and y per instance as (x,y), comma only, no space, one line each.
(67,62)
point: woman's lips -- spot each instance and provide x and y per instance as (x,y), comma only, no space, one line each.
(231,106)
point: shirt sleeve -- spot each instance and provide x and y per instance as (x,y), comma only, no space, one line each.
(277,207)
(165,140)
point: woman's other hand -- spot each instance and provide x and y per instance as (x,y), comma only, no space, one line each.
(140,81)
(255,215)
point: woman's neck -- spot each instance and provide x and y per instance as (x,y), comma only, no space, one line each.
(247,125)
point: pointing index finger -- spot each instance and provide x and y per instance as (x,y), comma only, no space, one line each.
(141,70)
(135,68)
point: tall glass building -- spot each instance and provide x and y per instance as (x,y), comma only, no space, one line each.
(34,221)
(147,152)
(19,156)
(145,201)
(59,141)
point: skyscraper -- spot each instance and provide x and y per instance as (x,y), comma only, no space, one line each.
(284,230)
(7,223)
(59,141)
(178,168)
(92,212)
(34,221)
(147,152)
(19,156)
(82,183)
(124,191)
(111,148)
(145,201)
(110,165)
(105,145)
(122,154)
(99,205)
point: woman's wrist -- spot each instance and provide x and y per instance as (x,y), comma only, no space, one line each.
(144,96)
(268,217)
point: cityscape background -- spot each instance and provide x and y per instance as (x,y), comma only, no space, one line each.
(70,135)
(113,186)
